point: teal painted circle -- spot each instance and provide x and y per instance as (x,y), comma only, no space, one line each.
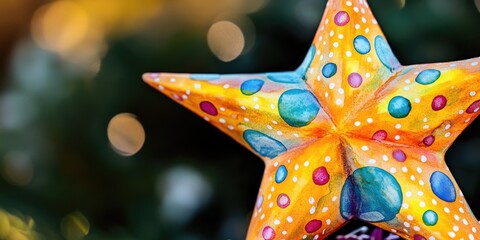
(399,107)
(251,87)
(263,144)
(361,44)
(298,107)
(430,218)
(281,174)
(329,70)
(285,77)
(385,54)
(443,187)
(371,194)
(428,76)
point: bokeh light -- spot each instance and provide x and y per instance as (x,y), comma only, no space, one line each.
(18,168)
(477,4)
(75,226)
(126,134)
(13,227)
(183,191)
(226,40)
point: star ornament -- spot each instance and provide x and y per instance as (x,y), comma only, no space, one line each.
(350,134)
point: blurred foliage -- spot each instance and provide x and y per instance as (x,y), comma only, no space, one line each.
(67,68)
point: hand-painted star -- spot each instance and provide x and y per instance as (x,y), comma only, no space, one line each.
(350,134)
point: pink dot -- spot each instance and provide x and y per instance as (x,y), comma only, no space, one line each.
(268,233)
(439,102)
(342,18)
(474,107)
(283,200)
(313,226)
(355,80)
(429,140)
(208,108)
(380,135)
(418,237)
(399,155)
(320,176)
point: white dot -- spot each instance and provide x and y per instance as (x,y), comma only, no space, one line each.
(473,93)
(372,161)
(325,209)
(447,210)
(339,102)
(423,158)
(393,170)
(385,158)
(365,148)
(417,100)
(474,63)
(306,163)
(312,210)
(226,86)
(406,224)
(358,123)
(404,169)
(289,219)
(420,193)
(451,234)
(369,120)
(408,194)
(348,53)
(331,85)
(397,137)
(294,179)
(419,169)
(335,44)
(434,202)
(398,126)
(276,222)
(448,134)
(328,159)
(222,120)
(422,204)
(349,3)
(340,36)
(284,232)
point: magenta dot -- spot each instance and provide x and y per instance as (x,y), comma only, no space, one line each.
(342,18)
(439,102)
(313,226)
(320,176)
(380,135)
(429,140)
(474,107)
(418,237)
(355,80)
(283,200)
(399,155)
(209,108)
(268,233)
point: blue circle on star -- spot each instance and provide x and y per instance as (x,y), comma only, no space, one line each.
(399,107)
(252,86)
(443,187)
(263,144)
(298,107)
(371,194)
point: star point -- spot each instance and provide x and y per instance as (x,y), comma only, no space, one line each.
(350,134)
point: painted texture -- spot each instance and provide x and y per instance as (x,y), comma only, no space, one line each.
(350,134)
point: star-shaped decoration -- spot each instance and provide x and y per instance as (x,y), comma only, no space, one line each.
(350,134)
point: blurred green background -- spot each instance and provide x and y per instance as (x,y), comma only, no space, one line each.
(87,150)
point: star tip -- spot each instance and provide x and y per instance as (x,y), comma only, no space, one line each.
(150,77)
